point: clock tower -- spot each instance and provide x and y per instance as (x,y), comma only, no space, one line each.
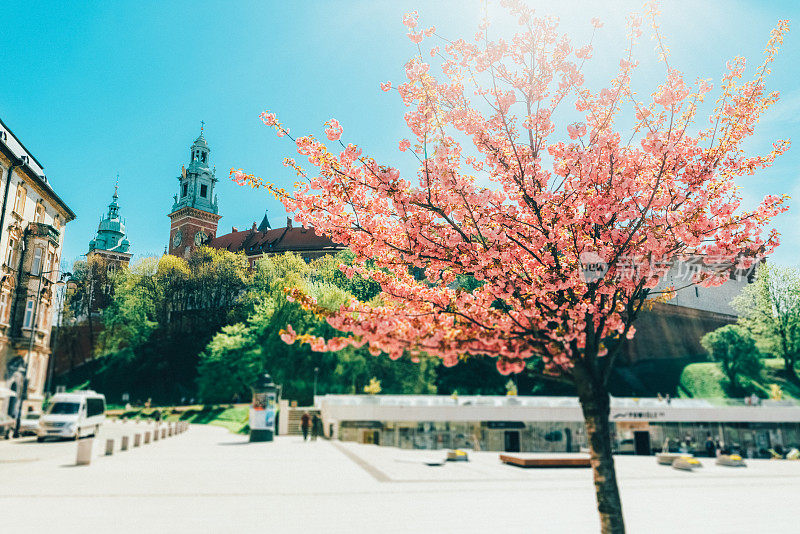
(194,214)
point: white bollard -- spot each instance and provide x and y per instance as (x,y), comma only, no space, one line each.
(124,445)
(84,456)
(137,440)
(109,447)
(163,433)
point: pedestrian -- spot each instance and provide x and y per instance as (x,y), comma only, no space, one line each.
(316,423)
(305,423)
(669,401)
(711,448)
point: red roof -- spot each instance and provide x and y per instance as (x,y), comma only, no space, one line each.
(253,242)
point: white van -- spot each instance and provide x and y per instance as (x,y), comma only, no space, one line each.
(72,415)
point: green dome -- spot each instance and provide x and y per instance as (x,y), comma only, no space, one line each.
(200,142)
(111,230)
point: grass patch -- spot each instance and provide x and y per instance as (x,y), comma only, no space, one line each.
(233,417)
(706,380)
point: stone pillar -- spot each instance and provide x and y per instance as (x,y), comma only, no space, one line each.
(84,456)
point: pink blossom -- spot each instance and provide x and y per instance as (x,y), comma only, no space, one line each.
(288,335)
(415,37)
(410,19)
(404,145)
(334,130)
(386,86)
(576,130)
(268,118)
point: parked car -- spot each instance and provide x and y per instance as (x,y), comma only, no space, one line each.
(73,415)
(29,423)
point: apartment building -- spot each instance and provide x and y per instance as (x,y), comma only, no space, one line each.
(32,222)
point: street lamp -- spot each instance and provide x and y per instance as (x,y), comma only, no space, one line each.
(26,363)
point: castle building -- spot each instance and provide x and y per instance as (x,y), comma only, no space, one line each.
(110,242)
(32,221)
(263,240)
(109,251)
(194,214)
(194,218)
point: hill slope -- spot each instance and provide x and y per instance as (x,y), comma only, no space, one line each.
(706,380)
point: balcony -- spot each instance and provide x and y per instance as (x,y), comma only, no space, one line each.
(37,229)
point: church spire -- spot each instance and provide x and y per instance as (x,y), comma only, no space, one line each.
(111,230)
(264,226)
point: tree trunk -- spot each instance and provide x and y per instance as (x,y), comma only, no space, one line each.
(595,403)
(791,374)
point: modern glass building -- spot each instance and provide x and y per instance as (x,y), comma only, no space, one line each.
(555,424)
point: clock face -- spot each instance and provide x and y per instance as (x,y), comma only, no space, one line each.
(199,238)
(177,239)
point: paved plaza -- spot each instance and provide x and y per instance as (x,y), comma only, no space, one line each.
(208,480)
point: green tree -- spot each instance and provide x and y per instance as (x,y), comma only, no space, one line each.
(770,309)
(735,348)
(164,312)
(91,292)
(238,354)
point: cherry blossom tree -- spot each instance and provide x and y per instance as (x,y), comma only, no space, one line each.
(563,230)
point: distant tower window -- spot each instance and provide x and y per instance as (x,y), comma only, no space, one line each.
(204,157)
(184,190)
(203,190)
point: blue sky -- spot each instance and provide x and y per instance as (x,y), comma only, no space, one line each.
(121,87)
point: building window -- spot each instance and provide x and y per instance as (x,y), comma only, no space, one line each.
(12,251)
(57,222)
(203,190)
(203,155)
(19,202)
(28,314)
(185,190)
(4,308)
(39,215)
(48,265)
(36,267)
